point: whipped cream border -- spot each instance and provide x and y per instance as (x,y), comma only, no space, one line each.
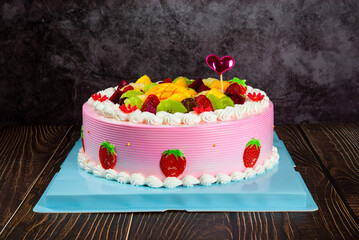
(137,179)
(109,110)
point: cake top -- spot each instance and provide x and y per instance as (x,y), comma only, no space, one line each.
(179,102)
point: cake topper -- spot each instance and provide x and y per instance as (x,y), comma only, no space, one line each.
(220,66)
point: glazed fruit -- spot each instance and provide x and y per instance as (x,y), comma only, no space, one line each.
(151,103)
(189,104)
(107,155)
(203,88)
(144,79)
(251,153)
(169,91)
(217,85)
(122,84)
(115,96)
(196,84)
(171,106)
(204,102)
(134,101)
(238,99)
(217,93)
(173,163)
(180,82)
(131,93)
(216,103)
(227,102)
(149,86)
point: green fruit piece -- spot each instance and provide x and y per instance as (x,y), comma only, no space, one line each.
(134,101)
(188,81)
(149,86)
(216,103)
(227,101)
(171,106)
(131,93)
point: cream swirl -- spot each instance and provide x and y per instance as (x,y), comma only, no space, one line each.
(123,177)
(208,117)
(223,115)
(189,181)
(153,182)
(223,178)
(171,119)
(207,179)
(172,182)
(191,119)
(136,117)
(137,179)
(249,172)
(153,119)
(110,174)
(237,176)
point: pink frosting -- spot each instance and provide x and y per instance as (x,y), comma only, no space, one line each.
(210,148)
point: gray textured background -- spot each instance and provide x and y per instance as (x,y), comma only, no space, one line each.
(54,54)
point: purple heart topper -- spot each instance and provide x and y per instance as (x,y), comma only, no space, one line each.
(220,65)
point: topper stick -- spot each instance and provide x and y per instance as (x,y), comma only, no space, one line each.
(220,76)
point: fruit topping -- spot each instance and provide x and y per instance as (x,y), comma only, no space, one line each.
(144,79)
(107,155)
(173,163)
(122,101)
(196,84)
(98,97)
(149,86)
(171,106)
(169,91)
(115,97)
(127,88)
(251,153)
(134,101)
(138,86)
(131,93)
(151,103)
(217,85)
(201,109)
(234,89)
(127,109)
(217,93)
(180,81)
(189,104)
(204,101)
(203,88)
(208,82)
(216,103)
(255,97)
(167,80)
(238,99)
(241,83)
(227,101)
(122,84)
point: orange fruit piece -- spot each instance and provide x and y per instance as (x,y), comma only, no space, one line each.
(217,84)
(169,91)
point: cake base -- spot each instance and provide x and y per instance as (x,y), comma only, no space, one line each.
(74,190)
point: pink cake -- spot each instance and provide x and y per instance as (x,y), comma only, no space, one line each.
(149,143)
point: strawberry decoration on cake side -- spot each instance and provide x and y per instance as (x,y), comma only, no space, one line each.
(251,153)
(107,155)
(82,137)
(173,163)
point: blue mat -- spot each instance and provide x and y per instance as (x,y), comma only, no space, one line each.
(74,190)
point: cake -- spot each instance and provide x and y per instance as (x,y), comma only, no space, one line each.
(178,133)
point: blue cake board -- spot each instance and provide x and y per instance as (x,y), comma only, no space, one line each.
(74,190)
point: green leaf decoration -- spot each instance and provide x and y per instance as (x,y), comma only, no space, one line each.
(176,152)
(253,142)
(239,81)
(82,131)
(110,148)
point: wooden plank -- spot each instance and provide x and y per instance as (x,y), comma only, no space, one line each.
(337,147)
(331,221)
(30,225)
(24,151)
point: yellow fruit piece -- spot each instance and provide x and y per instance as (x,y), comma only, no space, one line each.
(181,82)
(168,90)
(217,84)
(142,97)
(192,91)
(144,79)
(137,85)
(208,82)
(215,92)
(202,93)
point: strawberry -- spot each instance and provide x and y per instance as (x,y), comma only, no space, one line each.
(241,83)
(115,96)
(204,101)
(173,163)
(82,137)
(107,155)
(203,88)
(251,153)
(122,84)
(196,84)
(167,80)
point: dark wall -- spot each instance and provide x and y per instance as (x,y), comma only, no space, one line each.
(54,54)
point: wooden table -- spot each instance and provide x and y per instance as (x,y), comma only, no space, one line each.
(326,155)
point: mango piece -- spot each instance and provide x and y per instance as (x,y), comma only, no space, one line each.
(144,79)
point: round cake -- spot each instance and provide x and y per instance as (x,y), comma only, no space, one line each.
(178,133)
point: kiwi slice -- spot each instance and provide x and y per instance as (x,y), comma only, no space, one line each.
(171,106)
(149,86)
(216,103)
(131,93)
(134,101)
(227,101)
